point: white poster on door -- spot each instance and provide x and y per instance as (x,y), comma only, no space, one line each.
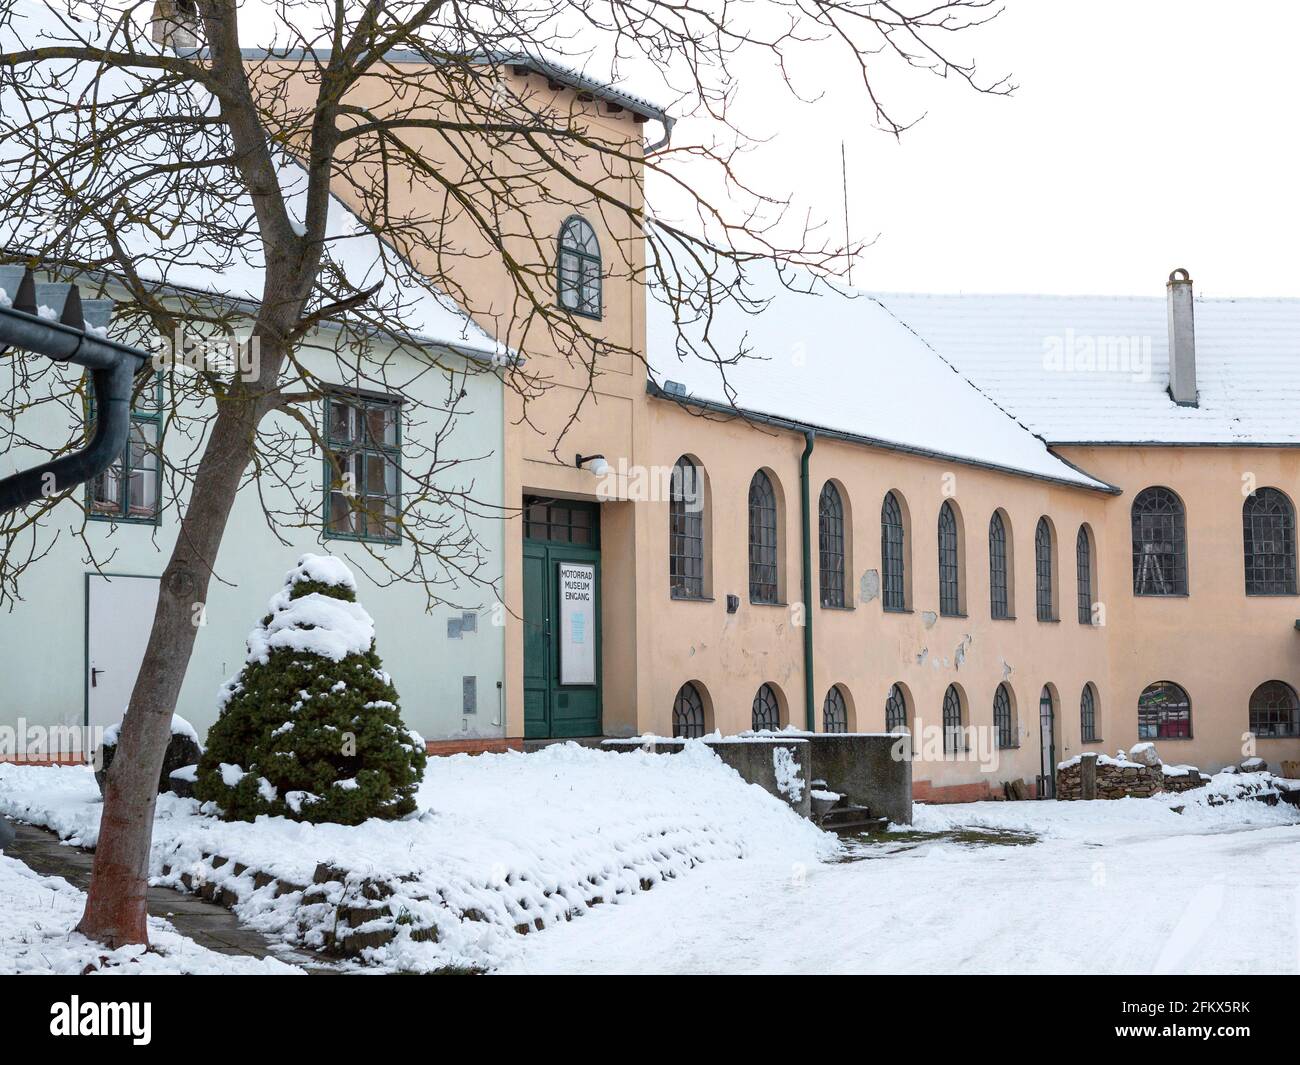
(577,623)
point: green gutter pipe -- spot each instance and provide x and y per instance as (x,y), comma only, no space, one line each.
(805,507)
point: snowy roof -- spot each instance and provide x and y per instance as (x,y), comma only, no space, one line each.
(836,360)
(1095,369)
(183,256)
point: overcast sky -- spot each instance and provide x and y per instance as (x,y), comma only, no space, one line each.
(1144,135)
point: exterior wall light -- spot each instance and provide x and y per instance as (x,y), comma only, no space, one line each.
(595,463)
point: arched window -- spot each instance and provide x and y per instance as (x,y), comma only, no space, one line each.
(688,713)
(762,540)
(835,714)
(1088,715)
(767,710)
(1274,711)
(893,588)
(830,545)
(895,709)
(1043,571)
(954,738)
(999,594)
(949,565)
(1164,712)
(1083,564)
(1159,543)
(1002,722)
(686,531)
(578,269)
(1268,528)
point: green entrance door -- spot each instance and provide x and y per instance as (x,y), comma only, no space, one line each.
(561,618)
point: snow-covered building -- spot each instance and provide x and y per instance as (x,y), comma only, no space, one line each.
(987,520)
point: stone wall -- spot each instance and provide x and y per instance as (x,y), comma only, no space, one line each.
(1092,776)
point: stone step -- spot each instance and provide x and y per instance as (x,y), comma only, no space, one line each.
(582,741)
(846,818)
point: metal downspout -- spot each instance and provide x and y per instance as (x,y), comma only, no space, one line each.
(805,507)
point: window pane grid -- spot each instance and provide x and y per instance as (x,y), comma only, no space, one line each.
(1083,563)
(830,544)
(362,463)
(1159,544)
(1268,528)
(1002,716)
(1043,570)
(578,273)
(891,553)
(688,713)
(949,578)
(762,540)
(1274,711)
(999,605)
(1088,715)
(686,532)
(1164,713)
(954,739)
(835,714)
(130,488)
(559,521)
(766,710)
(895,709)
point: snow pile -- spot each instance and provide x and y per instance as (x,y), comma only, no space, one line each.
(503,844)
(37,936)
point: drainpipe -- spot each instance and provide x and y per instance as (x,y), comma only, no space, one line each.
(113,367)
(805,508)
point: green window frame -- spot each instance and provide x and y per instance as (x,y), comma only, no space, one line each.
(130,490)
(362,432)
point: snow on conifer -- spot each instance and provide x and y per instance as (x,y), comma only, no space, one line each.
(310,729)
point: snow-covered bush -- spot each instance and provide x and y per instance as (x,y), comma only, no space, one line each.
(310,728)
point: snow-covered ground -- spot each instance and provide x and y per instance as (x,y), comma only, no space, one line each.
(36,936)
(502,841)
(1125,886)
(742,884)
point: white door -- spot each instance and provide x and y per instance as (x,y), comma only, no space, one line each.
(119,615)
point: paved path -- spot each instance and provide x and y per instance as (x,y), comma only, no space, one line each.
(206,923)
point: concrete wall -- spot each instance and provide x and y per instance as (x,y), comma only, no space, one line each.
(873,770)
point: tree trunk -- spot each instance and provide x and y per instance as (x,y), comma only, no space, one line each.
(115,903)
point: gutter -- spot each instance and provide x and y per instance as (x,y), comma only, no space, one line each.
(805,510)
(112,366)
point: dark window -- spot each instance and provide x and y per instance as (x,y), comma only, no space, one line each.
(686,531)
(893,592)
(1159,543)
(561,521)
(949,575)
(363,460)
(1164,713)
(1274,710)
(954,739)
(688,713)
(578,269)
(895,709)
(767,711)
(999,598)
(129,489)
(830,545)
(835,715)
(1083,563)
(1002,717)
(762,540)
(1043,570)
(1088,715)
(1268,525)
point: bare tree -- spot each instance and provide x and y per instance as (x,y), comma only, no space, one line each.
(147,163)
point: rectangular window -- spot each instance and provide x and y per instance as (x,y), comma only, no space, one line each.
(129,489)
(363,460)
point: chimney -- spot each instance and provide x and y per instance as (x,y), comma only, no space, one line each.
(1182,340)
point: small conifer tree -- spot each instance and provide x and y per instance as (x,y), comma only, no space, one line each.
(310,728)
